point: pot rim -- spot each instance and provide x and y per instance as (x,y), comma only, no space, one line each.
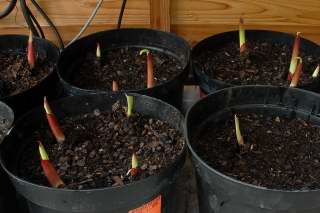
(220,174)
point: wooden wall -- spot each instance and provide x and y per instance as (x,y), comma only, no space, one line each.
(192,19)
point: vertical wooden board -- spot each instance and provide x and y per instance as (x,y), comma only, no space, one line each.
(160,14)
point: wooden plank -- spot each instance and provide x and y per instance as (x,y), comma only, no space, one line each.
(160,14)
(197,19)
(193,19)
(67,32)
(255,12)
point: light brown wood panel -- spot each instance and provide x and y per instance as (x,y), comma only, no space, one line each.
(68,32)
(266,12)
(193,19)
(70,15)
(76,12)
(197,19)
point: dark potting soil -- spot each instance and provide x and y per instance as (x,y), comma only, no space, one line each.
(264,63)
(15,74)
(126,67)
(98,149)
(279,153)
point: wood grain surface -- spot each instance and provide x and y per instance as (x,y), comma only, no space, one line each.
(192,19)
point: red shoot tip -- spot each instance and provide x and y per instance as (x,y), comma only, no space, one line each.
(48,169)
(31,53)
(115,86)
(297,73)
(150,71)
(53,123)
(295,54)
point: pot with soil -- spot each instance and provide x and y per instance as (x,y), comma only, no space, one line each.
(217,61)
(107,159)
(113,61)
(7,195)
(27,71)
(256,149)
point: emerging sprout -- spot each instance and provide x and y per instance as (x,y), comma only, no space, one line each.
(115,86)
(150,75)
(242,37)
(98,51)
(31,53)
(49,171)
(295,54)
(134,166)
(316,72)
(130,105)
(53,122)
(297,73)
(238,131)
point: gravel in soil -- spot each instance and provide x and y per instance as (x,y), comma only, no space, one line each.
(126,67)
(279,153)
(264,63)
(98,149)
(15,74)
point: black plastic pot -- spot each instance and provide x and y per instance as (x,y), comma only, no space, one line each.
(7,194)
(222,194)
(43,199)
(219,41)
(168,43)
(30,98)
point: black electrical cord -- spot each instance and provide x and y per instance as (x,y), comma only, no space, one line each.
(55,30)
(27,17)
(39,30)
(8,9)
(123,6)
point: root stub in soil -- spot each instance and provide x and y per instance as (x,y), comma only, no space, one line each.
(281,153)
(98,149)
(126,67)
(264,63)
(15,74)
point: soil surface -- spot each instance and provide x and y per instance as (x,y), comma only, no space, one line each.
(98,149)
(279,153)
(264,63)
(126,67)
(15,74)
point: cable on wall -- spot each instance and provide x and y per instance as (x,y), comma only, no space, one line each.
(86,25)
